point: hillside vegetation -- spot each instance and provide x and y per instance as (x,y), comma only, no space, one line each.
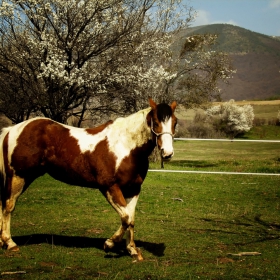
(264,121)
(235,39)
(267,109)
(255,56)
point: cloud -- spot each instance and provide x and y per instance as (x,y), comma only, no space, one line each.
(274,4)
(204,17)
(227,21)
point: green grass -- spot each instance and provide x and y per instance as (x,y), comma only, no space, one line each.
(187,225)
(264,132)
(224,156)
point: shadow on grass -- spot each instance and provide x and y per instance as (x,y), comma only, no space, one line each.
(157,249)
(255,228)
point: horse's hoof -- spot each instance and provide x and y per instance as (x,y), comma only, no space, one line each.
(137,257)
(14,249)
(108,245)
(106,248)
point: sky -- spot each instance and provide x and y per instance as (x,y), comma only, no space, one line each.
(262,16)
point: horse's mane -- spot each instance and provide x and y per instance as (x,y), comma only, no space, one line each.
(133,118)
(94,130)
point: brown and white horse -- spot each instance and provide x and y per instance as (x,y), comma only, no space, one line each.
(112,158)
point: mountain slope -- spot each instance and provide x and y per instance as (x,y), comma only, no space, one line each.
(255,56)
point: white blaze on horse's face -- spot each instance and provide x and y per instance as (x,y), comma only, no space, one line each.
(163,122)
(167,150)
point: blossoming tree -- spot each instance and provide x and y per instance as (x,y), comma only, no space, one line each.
(62,58)
(231,118)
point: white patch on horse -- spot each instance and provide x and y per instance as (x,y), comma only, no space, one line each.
(130,208)
(123,135)
(87,141)
(126,134)
(167,139)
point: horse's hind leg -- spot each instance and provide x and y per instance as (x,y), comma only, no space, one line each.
(15,187)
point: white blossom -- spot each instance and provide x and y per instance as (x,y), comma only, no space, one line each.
(233,119)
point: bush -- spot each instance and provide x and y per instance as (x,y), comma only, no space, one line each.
(273,121)
(230,118)
(182,129)
(259,121)
(198,130)
(201,128)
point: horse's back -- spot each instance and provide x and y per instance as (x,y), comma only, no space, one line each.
(42,145)
(88,157)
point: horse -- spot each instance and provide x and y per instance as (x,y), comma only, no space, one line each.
(112,157)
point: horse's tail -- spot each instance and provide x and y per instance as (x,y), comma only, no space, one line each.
(2,165)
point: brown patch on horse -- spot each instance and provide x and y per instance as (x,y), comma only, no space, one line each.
(56,152)
(102,164)
(133,170)
(117,195)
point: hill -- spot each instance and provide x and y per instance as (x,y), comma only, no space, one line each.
(255,56)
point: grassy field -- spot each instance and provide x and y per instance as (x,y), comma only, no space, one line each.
(188,226)
(225,156)
(263,132)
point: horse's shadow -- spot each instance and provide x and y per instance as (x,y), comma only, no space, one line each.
(157,249)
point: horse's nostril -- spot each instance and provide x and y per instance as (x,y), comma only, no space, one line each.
(165,155)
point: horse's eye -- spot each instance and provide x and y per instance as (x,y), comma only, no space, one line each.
(155,125)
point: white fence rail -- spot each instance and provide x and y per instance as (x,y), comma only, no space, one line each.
(212,172)
(227,140)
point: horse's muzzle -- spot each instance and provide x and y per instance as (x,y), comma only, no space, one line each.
(166,156)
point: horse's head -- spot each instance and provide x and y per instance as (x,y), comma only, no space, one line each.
(163,122)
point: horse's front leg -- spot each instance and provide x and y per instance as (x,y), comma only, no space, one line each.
(126,209)
(116,238)
(130,244)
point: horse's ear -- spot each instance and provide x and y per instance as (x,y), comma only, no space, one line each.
(173,105)
(152,103)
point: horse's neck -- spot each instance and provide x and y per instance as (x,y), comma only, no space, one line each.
(129,134)
(133,128)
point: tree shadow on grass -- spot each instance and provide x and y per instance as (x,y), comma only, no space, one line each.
(157,249)
(255,228)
